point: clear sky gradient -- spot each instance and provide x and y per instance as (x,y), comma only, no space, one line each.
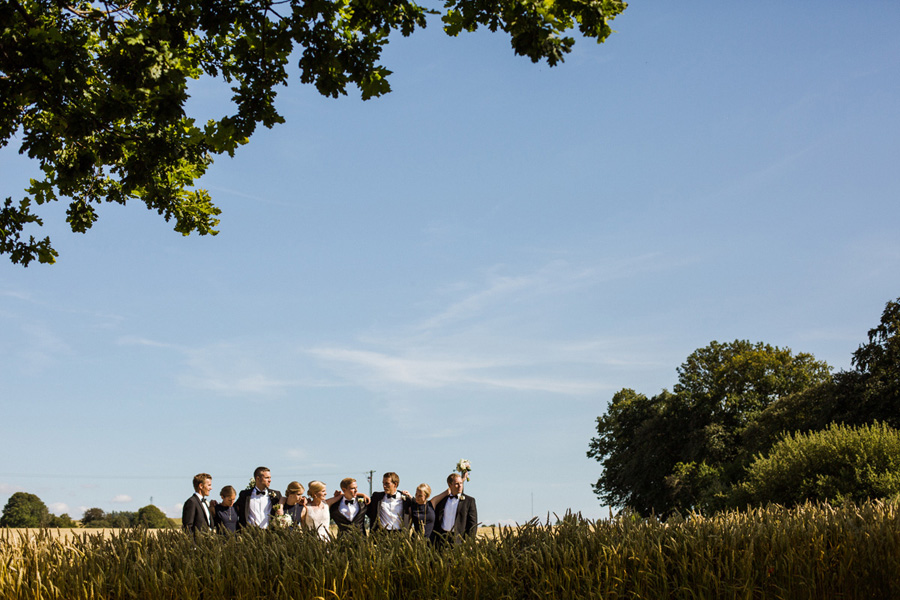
(469,267)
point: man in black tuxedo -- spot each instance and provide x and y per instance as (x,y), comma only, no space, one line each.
(347,511)
(254,506)
(195,514)
(455,515)
(387,509)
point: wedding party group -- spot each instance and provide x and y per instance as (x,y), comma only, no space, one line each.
(448,517)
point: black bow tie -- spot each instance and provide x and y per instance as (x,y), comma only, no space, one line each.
(454,496)
(349,502)
(203,500)
(259,493)
(391,496)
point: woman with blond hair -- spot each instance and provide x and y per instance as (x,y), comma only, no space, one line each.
(317,515)
(421,512)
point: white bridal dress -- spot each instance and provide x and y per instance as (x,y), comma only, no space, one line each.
(318,519)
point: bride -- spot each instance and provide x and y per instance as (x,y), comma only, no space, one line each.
(317,516)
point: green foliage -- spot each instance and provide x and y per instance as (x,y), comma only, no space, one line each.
(152,517)
(117,519)
(636,439)
(97,93)
(94,517)
(738,379)
(63,521)
(878,372)
(837,464)
(24,510)
(869,393)
(812,551)
(680,450)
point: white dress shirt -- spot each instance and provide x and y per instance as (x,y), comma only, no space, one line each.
(349,508)
(259,507)
(390,512)
(450,508)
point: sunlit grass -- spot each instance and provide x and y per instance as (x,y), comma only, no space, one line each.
(814,551)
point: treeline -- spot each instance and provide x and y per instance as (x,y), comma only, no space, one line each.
(749,423)
(148,516)
(27,510)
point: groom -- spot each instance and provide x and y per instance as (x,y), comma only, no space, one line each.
(456,515)
(254,506)
(388,509)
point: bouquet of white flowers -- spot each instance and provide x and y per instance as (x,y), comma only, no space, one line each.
(280,520)
(464,466)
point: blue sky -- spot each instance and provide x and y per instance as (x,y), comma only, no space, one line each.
(468,267)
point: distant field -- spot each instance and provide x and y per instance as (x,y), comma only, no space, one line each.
(15,535)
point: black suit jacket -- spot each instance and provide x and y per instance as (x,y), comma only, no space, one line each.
(466,523)
(375,506)
(193,518)
(345,525)
(241,505)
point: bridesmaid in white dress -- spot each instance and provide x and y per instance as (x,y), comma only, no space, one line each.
(317,517)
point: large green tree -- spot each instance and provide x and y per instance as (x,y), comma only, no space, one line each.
(24,510)
(96,92)
(681,450)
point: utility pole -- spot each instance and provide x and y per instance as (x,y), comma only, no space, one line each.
(371,474)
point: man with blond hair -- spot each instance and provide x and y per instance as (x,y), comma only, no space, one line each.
(195,515)
(347,510)
(455,513)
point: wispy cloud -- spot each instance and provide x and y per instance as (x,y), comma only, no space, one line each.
(58,508)
(415,372)
(18,295)
(296,453)
(497,291)
(487,337)
(132,340)
(43,348)
(8,489)
(121,499)
(375,369)
(244,370)
(489,333)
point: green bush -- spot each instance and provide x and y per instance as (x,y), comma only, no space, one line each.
(836,464)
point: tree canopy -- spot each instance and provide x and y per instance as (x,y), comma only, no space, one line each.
(96,92)
(680,450)
(152,517)
(701,446)
(24,510)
